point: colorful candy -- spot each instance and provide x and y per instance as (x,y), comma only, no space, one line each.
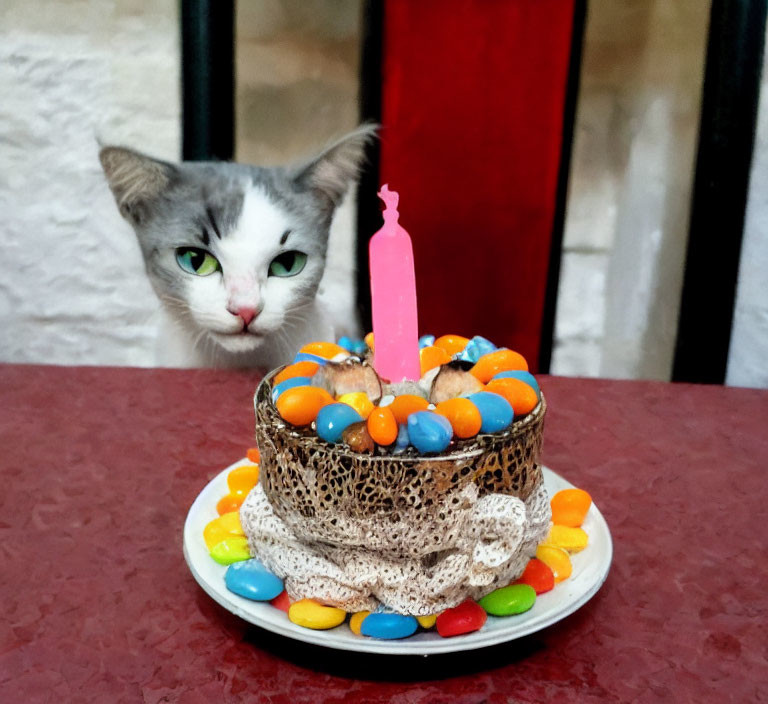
(226,526)
(231,550)
(426,341)
(452,344)
(527,377)
(538,575)
(467,617)
(567,538)
(356,620)
(311,614)
(406,404)
(299,369)
(250,579)
(510,600)
(570,507)
(253,455)
(520,395)
(311,358)
(557,560)
(500,361)
(282,601)
(300,405)
(277,389)
(357,437)
(369,341)
(495,410)
(429,432)
(427,622)
(359,401)
(326,350)
(476,348)
(334,419)
(382,426)
(431,357)
(243,478)
(386,626)
(463,415)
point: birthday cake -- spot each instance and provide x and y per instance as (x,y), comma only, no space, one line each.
(398,478)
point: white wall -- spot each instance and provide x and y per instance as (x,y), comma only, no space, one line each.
(73,289)
(748,354)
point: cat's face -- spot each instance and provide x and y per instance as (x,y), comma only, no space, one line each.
(235,253)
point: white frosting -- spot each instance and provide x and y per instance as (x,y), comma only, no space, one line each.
(493,538)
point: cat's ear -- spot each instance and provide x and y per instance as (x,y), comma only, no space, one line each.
(331,172)
(135,180)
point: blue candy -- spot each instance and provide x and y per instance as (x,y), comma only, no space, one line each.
(388,626)
(426,341)
(277,389)
(252,580)
(429,432)
(306,357)
(526,377)
(333,419)
(402,440)
(360,348)
(347,343)
(476,348)
(495,411)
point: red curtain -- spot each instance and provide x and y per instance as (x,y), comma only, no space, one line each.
(473,100)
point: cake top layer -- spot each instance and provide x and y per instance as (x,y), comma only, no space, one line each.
(468,386)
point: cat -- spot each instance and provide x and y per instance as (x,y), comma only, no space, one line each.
(237,254)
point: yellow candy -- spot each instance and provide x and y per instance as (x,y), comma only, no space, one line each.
(369,341)
(326,350)
(359,401)
(356,622)
(242,479)
(221,528)
(310,614)
(427,622)
(231,550)
(567,538)
(557,560)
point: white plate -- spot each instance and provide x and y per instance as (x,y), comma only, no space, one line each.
(590,568)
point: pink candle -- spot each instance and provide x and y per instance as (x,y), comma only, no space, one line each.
(393,298)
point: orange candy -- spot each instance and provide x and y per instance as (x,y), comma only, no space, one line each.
(463,415)
(229,503)
(570,506)
(432,357)
(499,361)
(369,341)
(406,404)
(520,395)
(242,479)
(557,560)
(326,350)
(382,425)
(253,454)
(301,404)
(452,344)
(297,369)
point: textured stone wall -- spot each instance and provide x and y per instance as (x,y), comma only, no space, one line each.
(73,289)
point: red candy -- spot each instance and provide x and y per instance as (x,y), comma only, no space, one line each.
(537,575)
(282,601)
(467,617)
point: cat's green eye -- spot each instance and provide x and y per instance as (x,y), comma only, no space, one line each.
(197,261)
(288,264)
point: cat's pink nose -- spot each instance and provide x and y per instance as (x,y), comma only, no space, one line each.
(247,314)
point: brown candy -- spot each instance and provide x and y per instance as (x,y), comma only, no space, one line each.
(357,437)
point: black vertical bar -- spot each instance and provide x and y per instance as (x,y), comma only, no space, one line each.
(547,335)
(368,210)
(208,79)
(726,137)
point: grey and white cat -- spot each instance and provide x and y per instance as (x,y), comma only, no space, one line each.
(237,254)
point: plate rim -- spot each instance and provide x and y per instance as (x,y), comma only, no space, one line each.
(351,642)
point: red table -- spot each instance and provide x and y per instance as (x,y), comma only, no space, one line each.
(99,467)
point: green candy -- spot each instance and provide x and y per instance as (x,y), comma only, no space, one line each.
(507,601)
(231,550)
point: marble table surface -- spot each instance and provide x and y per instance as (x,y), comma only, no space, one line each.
(98,467)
